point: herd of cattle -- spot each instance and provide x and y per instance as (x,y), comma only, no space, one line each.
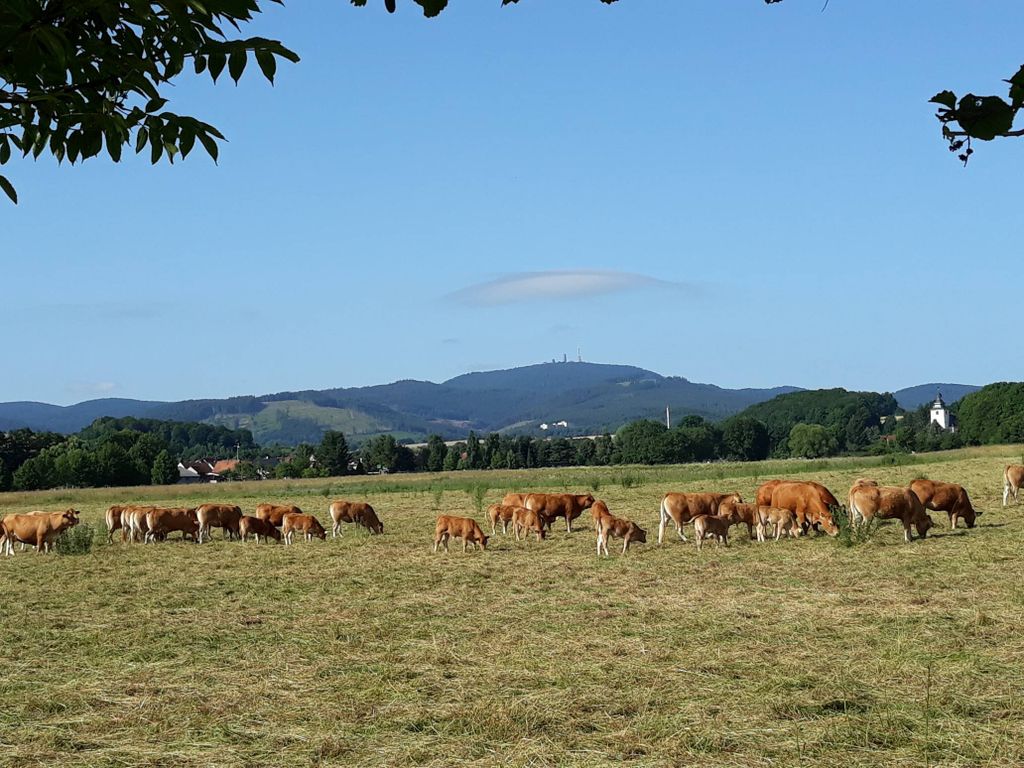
(782,507)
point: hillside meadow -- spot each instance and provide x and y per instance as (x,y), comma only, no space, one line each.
(370,650)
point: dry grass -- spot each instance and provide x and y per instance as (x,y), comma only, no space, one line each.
(372,651)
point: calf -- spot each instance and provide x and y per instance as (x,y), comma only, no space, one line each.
(526,520)
(274,513)
(465,528)
(354,512)
(779,519)
(160,522)
(501,513)
(223,516)
(1013,479)
(627,530)
(717,526)
(307,525)
(253,526)
(40,529)
(681,508)
(746,514)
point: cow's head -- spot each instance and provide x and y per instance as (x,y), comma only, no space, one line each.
(318,530)
(639,534)
(923,523)
(69,517)
(828,523)
(586,501)
(734,498)
(483,542)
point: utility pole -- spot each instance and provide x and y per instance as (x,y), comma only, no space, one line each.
(668,418)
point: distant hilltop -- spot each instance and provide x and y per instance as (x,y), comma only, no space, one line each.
(571,398)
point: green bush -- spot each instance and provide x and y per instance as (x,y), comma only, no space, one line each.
(631,480)
(852,534)
(76,540)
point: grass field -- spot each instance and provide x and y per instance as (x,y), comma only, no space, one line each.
(374,651)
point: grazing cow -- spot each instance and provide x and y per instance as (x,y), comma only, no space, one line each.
(809,501)
(354,512)
(160,522)
(274,513)
(946,497)
(465,528)
(681,508)
(307,525)
(526,520)
(1013,479)
(501,513)
(551,506)
(113,520)
(39,529)
(620,528)
(779,519)
(223,516)
(253,526)
(713,526)
(744,513)
(889,503)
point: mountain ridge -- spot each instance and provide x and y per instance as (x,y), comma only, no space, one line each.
(591,397)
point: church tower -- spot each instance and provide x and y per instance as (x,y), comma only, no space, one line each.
(940,414)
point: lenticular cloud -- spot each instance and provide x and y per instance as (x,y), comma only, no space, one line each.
(526,286)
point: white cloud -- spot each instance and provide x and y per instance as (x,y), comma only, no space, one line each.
(529,286)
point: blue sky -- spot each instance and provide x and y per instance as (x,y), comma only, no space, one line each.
(739,194)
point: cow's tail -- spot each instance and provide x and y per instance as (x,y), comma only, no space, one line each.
(855,513)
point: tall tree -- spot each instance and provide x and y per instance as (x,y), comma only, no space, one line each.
(436,453)
(164,470)
(333,453)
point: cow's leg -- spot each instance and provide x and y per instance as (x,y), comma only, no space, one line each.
(953,520)
(625,544)
(907,536)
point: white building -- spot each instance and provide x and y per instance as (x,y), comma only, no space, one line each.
(940,414)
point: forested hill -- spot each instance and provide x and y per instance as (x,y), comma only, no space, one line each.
(590,397)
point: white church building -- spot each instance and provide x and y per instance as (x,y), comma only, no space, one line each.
(940,414)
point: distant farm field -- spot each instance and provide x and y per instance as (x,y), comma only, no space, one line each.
(375,651)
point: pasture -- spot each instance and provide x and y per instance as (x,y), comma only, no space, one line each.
(374,651)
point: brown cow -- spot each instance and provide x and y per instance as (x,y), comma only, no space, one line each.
(551,506)
(1013,480)
(253,526)
(465,528)
(809,501)
(113,520)
(223,516)
(514,499)
(133,520)
(713,526)
(681,508)
(779,519)
(501,513)
(525,520)
(40,529)
(354,512)
(620,528)
(946,497)
(274,513)
(889,503)
(160,522)
(599,510)
(307,525)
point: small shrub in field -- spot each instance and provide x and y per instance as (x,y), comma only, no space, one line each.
(479,495)
(76,540)
(595,484)
(438,494)
(631,480)
(852,534)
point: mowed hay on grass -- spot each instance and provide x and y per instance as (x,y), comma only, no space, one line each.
(371,650)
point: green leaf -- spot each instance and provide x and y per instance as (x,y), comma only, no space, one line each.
(236,64)
(209,144)
(1017,89)
(5,151)
(984,117)
(216,62)
(267,63)
(8,189)
(140,139)
(945,98)
(155,105)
